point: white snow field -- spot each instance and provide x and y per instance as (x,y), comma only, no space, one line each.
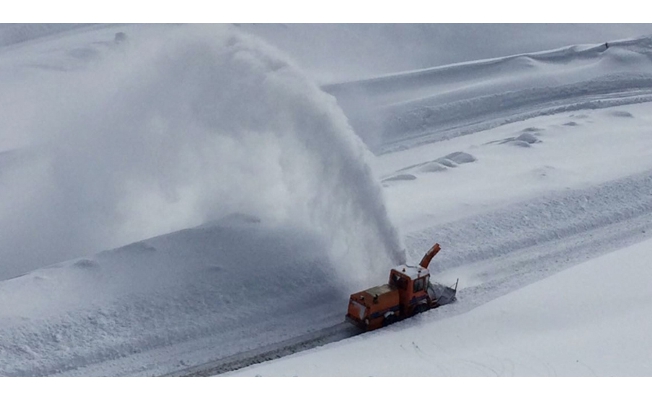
(186,200)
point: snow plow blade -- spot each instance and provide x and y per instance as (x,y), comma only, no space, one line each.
(442,294)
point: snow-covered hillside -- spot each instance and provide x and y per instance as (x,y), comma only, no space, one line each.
(231,208)
(343,52)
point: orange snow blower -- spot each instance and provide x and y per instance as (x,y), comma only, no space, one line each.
(408,293)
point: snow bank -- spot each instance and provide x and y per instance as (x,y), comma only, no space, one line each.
(440,103)
(193,295)
(338,52)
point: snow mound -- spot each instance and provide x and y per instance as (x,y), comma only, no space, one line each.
(528,138)
(446,162)
(400,177)
(458,157)
(519,143)
(432,167)
(525,139)
(244,285)
(441,103)
(621,114)
(452,160)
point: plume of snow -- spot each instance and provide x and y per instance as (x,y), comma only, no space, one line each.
(177,128)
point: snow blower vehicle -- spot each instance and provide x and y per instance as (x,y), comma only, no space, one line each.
(409,292)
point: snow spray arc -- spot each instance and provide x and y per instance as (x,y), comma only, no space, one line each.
(192,123)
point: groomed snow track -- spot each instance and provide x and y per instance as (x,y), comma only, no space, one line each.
(291,346)
(452,119)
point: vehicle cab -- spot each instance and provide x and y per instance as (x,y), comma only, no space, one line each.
(412,284)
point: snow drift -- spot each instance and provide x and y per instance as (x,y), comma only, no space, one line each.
(444,102)
(197,294)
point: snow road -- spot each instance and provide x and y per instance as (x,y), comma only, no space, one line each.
(521,167)
(511,255)
(320,338)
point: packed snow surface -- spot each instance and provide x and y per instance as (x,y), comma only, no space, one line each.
(210,199)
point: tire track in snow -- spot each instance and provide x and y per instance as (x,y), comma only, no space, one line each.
(504,250)
(557,215)
(418,123)
(288,347)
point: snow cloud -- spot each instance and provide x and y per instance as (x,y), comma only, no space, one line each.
(179,127)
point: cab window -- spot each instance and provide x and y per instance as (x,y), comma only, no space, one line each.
(419,284)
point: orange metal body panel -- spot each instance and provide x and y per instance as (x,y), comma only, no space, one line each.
(405,295)
(372,305)
(375,307)
(404,284)
(409,298)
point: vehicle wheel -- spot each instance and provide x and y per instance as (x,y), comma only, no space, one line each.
(420,308)
(389,320)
